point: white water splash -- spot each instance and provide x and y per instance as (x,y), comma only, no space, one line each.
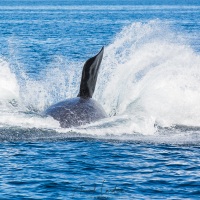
(149,77)
(9,89)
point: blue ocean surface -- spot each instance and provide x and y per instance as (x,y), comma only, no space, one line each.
(148,84)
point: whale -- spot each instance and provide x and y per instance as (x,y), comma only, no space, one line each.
(82,109)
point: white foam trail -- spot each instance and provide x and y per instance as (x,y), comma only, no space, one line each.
(16,119)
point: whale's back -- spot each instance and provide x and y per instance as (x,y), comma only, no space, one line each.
(76,111)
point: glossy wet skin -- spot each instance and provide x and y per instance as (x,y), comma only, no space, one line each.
(76,111)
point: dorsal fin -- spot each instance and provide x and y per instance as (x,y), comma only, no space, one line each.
(89,75)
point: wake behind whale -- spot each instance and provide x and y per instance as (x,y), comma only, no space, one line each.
(82,109)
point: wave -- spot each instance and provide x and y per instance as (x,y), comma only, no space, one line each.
(149,81)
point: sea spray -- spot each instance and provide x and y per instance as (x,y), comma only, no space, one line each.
(9,89)
(150,73)
(149,78)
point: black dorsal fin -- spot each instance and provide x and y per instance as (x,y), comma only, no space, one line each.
(89,75)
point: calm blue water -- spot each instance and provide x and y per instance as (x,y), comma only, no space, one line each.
(148,84)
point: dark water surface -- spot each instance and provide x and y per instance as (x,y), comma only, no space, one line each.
(96,169)
(148,84)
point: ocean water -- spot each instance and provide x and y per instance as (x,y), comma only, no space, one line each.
(149,85)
